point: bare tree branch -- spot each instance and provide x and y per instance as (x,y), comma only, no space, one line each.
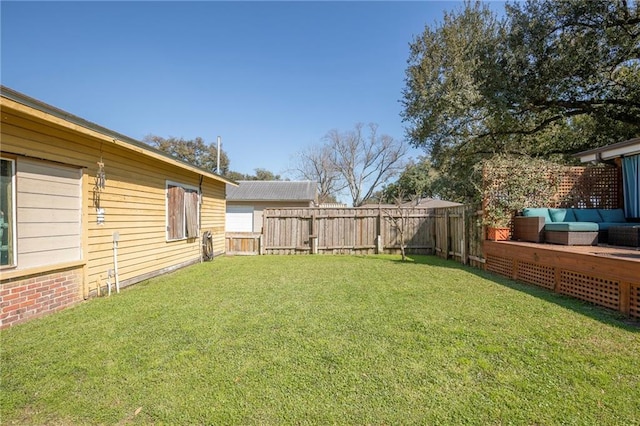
(365,163)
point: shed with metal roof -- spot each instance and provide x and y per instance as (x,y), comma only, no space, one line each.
(247,201)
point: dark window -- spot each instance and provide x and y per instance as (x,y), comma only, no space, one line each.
(7,213)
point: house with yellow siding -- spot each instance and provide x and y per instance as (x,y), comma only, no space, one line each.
(85,210)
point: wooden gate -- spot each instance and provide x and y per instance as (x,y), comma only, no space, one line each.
(459,234)
(242,243)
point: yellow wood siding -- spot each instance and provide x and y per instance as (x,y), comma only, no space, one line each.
(133,200)
(212,216)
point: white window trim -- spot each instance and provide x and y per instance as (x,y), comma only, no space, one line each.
(14,237)
(169,183)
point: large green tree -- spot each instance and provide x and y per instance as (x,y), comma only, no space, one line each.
(198,153)
(418,180)
(443,105)
(549,79)
(572,66)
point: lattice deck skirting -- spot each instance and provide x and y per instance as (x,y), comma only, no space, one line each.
(500,265)
(634,301)
(596,286)
(543,276)
(593,289)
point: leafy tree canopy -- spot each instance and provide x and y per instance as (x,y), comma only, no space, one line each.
(550,79)
(196,152)
(260,174)
(417,180)
(200,154)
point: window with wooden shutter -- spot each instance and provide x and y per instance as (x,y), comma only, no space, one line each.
(191,214)
(183,220)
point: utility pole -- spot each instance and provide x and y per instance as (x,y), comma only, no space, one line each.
(218,160)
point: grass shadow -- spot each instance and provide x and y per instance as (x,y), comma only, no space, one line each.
(599,313)
(582,307)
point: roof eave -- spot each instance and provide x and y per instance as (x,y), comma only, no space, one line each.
(107,134)
(254,200)
(609,152)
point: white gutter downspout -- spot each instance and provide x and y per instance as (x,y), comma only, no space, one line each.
(116,238)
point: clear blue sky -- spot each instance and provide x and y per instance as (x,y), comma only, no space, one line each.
(270,78)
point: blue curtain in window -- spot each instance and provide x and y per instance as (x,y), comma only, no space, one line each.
(631,184)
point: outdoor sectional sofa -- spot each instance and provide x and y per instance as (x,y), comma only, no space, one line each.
(567,226)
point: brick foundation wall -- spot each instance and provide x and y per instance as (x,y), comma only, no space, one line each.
(33,296)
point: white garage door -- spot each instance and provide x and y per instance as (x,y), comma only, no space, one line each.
(239,219)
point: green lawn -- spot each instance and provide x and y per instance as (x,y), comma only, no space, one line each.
(324,340)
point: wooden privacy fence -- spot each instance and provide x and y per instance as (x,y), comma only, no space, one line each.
(344,231)
(450,232)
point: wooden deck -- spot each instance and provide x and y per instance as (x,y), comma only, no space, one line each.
(605,275)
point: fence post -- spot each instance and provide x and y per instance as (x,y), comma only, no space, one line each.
(379,246)
(446,234)
(313,238)
(465,237)
(266,215)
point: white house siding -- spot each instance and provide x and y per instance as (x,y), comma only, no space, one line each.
(49,213)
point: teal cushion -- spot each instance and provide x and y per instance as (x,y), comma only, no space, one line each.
(572,226)
(612,215)
(587,215)
(544,212)
(562,215)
